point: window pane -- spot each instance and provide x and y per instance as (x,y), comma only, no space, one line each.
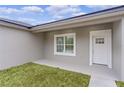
(99,40)
(60,40)
(60,48)
(69,48)
(69,40)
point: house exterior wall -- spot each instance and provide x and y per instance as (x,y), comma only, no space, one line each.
(18,47)
(118,48)
(117,31)
(122,49)
(82,44)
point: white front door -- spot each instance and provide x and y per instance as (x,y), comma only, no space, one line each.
(101,47)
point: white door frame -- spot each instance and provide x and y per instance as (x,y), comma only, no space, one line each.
(109,36)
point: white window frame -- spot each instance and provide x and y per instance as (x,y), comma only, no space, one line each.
(63,53)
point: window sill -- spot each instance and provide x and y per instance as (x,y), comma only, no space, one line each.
(62,54)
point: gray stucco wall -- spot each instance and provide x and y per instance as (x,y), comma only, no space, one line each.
(117,47)
(82,44)
(122,49)
(18,47)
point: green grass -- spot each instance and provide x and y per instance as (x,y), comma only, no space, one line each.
(119,83)
(35,75)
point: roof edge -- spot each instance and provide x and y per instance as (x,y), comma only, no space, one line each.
(15,23)
(105,10)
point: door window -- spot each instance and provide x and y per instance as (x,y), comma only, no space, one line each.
(99,40)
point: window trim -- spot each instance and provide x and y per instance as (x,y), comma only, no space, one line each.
(63,53)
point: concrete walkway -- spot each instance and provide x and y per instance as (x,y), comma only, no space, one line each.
(100,81)
(101,76)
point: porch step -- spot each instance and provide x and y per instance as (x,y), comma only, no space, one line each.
(98,81)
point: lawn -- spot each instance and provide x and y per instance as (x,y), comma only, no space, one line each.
(35,75)
(119,83)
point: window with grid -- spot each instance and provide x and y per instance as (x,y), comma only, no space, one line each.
(65,44)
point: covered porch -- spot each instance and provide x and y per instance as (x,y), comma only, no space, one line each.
(80,61)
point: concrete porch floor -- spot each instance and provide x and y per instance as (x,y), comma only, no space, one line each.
(101,76)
